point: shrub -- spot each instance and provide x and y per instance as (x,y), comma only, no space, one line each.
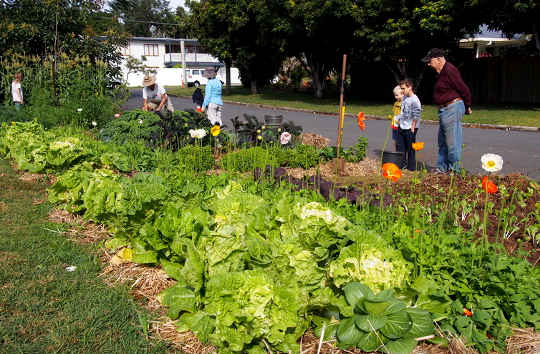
(305,156)
(133,126)
(249,159)
(195,158)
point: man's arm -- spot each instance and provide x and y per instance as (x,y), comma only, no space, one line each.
(163,100)
(462,89)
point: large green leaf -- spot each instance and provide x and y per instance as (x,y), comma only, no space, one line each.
(374,307)
(370,341)
(400,346)
(356,292)
(397,324)
(178,298)
(369,323)
(347,332)
(422,323)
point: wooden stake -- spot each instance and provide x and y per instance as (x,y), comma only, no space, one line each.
(341,115)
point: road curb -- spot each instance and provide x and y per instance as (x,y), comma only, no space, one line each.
(374,117)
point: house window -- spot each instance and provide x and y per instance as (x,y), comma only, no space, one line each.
(151,50)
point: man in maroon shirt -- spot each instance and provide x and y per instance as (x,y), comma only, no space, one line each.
(453,98)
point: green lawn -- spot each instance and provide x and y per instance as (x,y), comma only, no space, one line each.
(496,114)
(44,308)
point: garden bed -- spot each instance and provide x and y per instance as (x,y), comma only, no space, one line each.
(256,263)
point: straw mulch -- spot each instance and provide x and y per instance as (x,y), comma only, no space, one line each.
(80,231)
(314,140)
(366,167)
(31,177)
(524,341)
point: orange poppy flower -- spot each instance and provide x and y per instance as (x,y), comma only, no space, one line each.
(391,171)
(467,313)
(361,118)
(488,186)
(418,146)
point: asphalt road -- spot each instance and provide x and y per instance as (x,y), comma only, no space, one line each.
(519,149)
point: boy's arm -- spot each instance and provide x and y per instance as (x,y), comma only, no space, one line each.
(207,94)
(416,110)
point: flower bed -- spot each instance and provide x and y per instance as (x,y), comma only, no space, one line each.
(257,264)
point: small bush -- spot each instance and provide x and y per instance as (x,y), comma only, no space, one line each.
(249,159)
(305,156)
(133,126)
(195,158)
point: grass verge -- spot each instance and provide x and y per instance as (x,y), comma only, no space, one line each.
(43,307)
(521,115)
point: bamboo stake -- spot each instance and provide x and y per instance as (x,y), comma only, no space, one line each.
(341,114)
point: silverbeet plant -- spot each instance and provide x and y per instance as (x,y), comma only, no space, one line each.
(381,322)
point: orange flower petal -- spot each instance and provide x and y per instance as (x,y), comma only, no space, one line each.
(489,186)
(391,171)
(418,146)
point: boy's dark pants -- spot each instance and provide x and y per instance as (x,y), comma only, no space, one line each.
(405,140)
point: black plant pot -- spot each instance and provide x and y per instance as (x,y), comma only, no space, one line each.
(393,157)
(273,120)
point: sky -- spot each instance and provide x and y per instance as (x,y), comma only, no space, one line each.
(173,4)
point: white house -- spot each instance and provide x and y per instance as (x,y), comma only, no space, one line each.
(172,60)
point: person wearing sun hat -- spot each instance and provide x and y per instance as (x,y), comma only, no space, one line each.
(453,98)
(155,97)
(212,103)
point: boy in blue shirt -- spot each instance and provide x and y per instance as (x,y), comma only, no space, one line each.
(409,121)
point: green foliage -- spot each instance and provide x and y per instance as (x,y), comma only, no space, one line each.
(305,156)
(355,153)
(248,159)
(195,158)
(380,319)
(133,126)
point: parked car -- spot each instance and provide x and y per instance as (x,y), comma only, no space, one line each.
(195,77)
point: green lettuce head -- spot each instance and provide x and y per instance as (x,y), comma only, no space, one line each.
(378,267)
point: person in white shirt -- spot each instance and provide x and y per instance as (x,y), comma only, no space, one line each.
(155,97)
(16,91)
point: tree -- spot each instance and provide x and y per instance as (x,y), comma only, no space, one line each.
(242,32)
(140,15)
(512,16)
(42,28)
(318,34)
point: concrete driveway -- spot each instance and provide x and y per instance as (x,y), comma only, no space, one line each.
(519,149)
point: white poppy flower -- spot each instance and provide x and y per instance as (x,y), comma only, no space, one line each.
(285,138)
(94,123)
(79,109)
(117,115)
(140,121)
(492,162)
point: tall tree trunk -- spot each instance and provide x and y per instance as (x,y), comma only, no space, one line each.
(318,73)
(317,84)
(228,77)
(253,86)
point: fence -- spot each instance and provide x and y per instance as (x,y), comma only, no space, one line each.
(504,79)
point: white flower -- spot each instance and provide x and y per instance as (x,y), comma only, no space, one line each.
(117,115)
(94,123)
(201,133)
(492,162)
(79,109)
(71,268)
(285,138)
(197,133)
(140,121)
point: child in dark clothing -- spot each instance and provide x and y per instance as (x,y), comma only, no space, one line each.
(409,122)
(198,98)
